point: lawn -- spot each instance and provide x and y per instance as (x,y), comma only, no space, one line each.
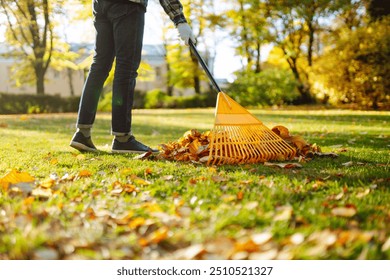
(107,206)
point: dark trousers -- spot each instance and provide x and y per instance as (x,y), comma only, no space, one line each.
(119,35)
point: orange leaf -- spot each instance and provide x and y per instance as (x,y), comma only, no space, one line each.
(28,201)
(148,171)
(137,222)
(248,246)
(85,173)
(159,235)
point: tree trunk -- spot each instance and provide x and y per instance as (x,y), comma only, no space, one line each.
(258,57)
(311,42)
(303,88)
(70,81)
(40,80)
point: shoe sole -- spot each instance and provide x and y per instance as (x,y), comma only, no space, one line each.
(81,147)
(133,152)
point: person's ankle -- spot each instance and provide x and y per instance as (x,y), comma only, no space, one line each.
(85,131)
(122,138)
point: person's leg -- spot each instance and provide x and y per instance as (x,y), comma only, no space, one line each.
(128,27)
(98,73)
(99,70)
(128,34)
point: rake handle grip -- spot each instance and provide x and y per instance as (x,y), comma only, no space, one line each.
(204,65)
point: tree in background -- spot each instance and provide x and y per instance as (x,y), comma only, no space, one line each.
(30,33)
(249,28)
(355,68)
(296,28)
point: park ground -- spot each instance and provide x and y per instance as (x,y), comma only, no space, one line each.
(57,203)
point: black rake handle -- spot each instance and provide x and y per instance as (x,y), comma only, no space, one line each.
(204,65)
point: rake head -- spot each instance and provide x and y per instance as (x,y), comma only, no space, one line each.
(239,137)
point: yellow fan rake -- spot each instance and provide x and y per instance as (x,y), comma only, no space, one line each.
(238,136)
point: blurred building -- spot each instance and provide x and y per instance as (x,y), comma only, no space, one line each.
(70,81)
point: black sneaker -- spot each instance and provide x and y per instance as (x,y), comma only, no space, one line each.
(82,143)
(131,146)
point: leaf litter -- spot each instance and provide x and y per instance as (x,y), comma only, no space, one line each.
(193,147)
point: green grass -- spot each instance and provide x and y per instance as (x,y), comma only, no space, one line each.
(230,212)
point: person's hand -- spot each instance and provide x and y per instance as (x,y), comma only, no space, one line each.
(185,33)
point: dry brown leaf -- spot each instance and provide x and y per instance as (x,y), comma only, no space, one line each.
(281,131)
(218,179)
(144,155)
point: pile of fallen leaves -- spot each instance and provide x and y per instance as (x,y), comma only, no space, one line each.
(303,149)
(193,146)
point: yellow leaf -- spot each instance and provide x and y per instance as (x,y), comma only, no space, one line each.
(14,177)
(152,207)
(126,171)
(48,183)
(80,157)
(139,181)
